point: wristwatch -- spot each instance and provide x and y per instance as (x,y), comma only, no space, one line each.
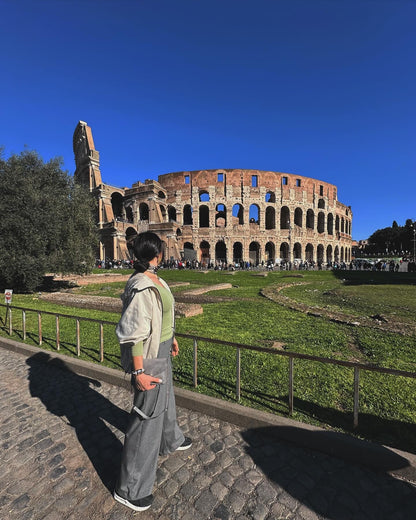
(137,372)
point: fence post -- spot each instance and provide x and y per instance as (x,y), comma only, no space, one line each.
(291,360)
(101,342)
(356,394)
(195,363)
(10,321)
(238,389)
(40,327)
(58,342)
(24,324)
(78,339)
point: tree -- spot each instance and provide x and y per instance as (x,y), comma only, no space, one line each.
(46,222)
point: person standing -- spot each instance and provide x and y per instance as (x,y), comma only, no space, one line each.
(146,336)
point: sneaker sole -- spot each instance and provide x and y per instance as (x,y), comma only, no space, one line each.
(183,448)
(125,502)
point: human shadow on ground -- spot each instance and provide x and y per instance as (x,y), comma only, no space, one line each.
(73,397)
(336,476)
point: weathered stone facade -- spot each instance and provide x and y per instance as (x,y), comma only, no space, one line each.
(219,215)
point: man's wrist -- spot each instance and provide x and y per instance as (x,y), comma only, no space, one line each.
(137,372)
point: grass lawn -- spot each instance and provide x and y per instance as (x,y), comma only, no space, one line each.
(323,393)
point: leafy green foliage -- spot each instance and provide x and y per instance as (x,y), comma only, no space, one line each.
(46,222)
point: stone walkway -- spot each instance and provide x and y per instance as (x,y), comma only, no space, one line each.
(61,437)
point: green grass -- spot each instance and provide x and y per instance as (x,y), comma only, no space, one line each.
(323,393)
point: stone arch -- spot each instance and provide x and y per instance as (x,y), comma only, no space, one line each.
(254,253)
(131,234)
(321,222)
(298,217)
(221,251)
(284,251)
(270,217)
(129,214)
(238,213)
(204,196)
(189,252)
(203,216)
(336,254)
(284,218)
(321,204)
(220,216)
(187,215)
(161,195)
(330,224)
(342,253)
(237,252)
(320,254)
(309,252)
(204,252)
(179,232)
(297,251)
(337,223)
(117,205)
(172,213)
(342,225)
(143,211)
(254,214)
(329,253)
(310,219)
(163,212)
(270,197)
(270,251)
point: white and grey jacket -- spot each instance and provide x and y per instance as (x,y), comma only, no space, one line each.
(141,318)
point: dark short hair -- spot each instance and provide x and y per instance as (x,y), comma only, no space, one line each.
(146,246)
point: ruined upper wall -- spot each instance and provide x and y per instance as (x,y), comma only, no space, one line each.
(87,158)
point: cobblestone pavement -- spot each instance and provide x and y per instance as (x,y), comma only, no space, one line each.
(61,438)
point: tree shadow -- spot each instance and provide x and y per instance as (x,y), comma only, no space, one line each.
(359,488)
(73,397)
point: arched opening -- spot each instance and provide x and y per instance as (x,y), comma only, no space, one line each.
(131,234)
(270,252)
(220,251)
(321,204)
(187,215)
(329,254)
(204,252)
(284,218)
(336,254)
(270,197)
(330,224)
(342,225)
(129,214)
(178,232)
(309,253)
(270,218)
(254,253)
(310,219)
(238,214)
(342,254)
(220,216)
(337,223)
(320,254)
(189,252)
(161,195)
(321,222)
(172,214)
(297,251)
(284,252)
(163,213)
(237,252)
(117,205)
(143,211)
(203,196)
(254,213)
(203,216)
(298,217)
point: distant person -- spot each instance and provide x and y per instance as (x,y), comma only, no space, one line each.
(145,332)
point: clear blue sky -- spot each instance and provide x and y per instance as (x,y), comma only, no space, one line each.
(321,88)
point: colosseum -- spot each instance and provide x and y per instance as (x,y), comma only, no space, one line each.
(224,215)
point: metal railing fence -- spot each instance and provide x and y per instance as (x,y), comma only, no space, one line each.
(292,356)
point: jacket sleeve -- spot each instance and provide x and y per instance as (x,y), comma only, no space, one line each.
(136,320)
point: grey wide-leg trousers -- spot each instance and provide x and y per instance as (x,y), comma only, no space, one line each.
(147,438)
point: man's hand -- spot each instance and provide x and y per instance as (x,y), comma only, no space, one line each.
(146,382)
